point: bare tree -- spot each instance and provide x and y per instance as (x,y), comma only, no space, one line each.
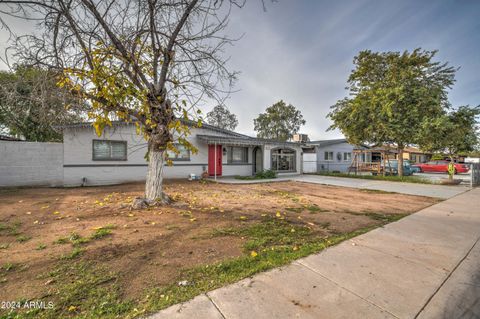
(151,62)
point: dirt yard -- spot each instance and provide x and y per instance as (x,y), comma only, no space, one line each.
(46,232)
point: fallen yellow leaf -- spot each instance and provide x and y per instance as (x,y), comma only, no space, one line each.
(254,253)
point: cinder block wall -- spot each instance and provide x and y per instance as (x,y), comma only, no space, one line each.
(31,164)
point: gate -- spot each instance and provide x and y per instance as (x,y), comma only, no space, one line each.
(474,174)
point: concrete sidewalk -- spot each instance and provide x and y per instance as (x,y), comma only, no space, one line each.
(426,265)
(438,191)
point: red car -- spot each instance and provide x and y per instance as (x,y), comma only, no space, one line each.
(441,167)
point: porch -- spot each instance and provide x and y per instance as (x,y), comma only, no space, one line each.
(244,156)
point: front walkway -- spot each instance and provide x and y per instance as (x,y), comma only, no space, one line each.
(438,191)
(426,265)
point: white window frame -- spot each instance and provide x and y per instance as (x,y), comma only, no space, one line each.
(328,158)
(276,156)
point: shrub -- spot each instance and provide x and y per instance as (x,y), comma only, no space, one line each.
(266,174)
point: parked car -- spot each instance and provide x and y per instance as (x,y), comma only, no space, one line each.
(407,169)
(415,168)
(441,167)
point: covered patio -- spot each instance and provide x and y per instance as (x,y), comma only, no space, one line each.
(227,154)
(372,160)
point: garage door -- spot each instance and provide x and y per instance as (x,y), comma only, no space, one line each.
(309,162)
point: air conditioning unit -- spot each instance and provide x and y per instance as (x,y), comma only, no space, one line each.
(303,138)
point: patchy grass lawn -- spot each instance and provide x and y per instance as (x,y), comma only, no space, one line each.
(87,253)
(389,178)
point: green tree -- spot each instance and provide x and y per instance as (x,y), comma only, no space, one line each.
(221,117)
(148,62)
(280,121)
(31,104)
(391,95)
(453,133)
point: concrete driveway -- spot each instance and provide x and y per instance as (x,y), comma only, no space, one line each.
(438,191)
(426,265)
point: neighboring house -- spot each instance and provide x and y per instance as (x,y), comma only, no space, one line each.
(327,155)
(415,155)
(119,155)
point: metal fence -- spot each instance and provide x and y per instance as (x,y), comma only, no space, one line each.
(474,174)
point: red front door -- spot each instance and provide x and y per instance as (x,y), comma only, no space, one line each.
(214,155)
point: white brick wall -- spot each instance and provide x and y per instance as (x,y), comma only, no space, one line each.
(78,163)
(31,164)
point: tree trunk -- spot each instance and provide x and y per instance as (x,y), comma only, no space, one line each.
(154,185)
(400,162)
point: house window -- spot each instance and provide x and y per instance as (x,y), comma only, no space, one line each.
(328,156)
(237,155)
(347,156)
(106,150)
(183,153)
(283,160)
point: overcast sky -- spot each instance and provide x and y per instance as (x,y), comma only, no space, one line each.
(301,51)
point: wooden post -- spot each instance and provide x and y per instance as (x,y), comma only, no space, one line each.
(382,162)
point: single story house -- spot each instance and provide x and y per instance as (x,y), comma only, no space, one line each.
(118,156)
(416,155)
(327,155)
